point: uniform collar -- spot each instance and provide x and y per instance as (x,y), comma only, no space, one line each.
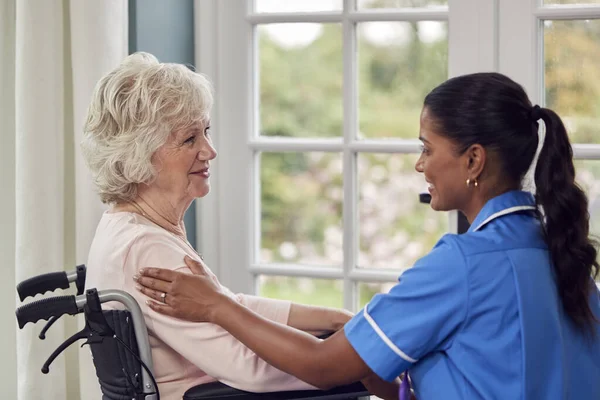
(506,203)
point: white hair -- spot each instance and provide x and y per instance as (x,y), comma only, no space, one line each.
(133,111)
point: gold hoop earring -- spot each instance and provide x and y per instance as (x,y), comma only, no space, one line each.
(475,183)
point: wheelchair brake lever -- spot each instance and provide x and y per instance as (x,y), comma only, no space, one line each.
(95,330)
(51,321)
(82,334)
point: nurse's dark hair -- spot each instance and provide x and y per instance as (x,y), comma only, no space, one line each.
(492,110)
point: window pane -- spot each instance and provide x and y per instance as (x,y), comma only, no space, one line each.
(395,229)
(301,208)
(300,79)
(366,291)
(588,177)
(572,57)
(400,3)
(399,63)
(270,6)
(321,292)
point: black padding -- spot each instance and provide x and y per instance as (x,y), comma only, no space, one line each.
(218,390)
(119,373)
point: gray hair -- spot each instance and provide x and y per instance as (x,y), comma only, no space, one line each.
(133,110)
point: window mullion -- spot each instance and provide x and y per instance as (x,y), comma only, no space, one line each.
(350,206)
(518,45)
(472,47)
(236,186)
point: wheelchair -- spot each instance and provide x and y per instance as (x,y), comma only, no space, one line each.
(118,340)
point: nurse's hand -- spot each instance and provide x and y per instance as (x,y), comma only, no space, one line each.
(193,298)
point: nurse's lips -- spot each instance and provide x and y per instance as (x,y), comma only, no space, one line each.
(205,173)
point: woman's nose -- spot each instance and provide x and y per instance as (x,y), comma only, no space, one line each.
(207,152)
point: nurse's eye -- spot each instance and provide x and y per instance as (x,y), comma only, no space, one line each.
(424,149)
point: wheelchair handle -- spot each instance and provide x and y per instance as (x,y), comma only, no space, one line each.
(42,283)
(60,305)
(46,308)
(51,281)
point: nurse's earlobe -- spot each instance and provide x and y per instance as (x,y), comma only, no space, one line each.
(475,183)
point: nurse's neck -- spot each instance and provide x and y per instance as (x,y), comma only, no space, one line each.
(485,190)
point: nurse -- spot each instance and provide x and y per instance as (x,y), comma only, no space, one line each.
(508,310)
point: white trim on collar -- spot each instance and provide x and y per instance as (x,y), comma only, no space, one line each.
(503,212)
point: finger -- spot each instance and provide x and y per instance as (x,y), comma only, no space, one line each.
(155,284)
(195,266)
(161,308)
(166,275)
(153,294)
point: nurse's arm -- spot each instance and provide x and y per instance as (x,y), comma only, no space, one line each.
(322,363)
(200,298)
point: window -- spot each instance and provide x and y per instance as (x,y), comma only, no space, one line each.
(572,88)
(315,197)
(557,67)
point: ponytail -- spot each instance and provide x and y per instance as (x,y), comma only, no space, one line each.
(565,219)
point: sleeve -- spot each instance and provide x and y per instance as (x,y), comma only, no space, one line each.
(273,309)
(419,315)
(208,346)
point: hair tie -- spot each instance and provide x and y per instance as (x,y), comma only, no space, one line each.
(536,113)
(528,182)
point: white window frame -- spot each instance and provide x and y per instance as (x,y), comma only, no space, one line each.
(521,51)
(484,35)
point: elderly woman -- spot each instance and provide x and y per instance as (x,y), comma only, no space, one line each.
(147,143)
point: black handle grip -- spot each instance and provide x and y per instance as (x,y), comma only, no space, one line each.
(42,283)
(46,308)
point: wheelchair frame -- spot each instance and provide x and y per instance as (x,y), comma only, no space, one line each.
(52,308)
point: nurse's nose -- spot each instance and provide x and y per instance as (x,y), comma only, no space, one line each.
(419,164)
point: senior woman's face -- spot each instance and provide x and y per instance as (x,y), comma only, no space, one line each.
(183,162)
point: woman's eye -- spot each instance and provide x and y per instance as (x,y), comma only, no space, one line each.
(207,131)
(424,149)
(190,140)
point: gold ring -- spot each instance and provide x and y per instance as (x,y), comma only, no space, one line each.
(163,297)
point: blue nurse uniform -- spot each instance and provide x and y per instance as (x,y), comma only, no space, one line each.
(479,317)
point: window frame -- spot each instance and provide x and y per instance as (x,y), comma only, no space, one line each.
(228,218)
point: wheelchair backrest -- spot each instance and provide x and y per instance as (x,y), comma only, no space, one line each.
(117,369)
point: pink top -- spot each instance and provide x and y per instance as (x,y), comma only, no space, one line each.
(184,354)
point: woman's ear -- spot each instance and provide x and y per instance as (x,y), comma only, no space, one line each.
(476,159)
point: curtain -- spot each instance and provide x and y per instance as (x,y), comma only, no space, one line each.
(53,53)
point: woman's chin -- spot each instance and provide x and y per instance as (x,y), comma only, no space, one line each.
(197,191)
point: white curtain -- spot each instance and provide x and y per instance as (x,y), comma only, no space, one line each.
(53,52)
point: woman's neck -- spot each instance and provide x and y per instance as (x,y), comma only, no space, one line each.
(159,209)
